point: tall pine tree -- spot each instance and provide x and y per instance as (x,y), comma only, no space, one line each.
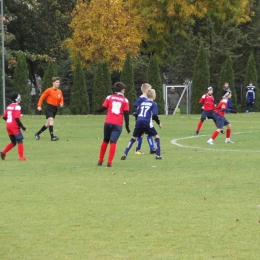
(79,100)
(1,92)
(99,89)
(154,79)
(227,75)
(200,79)
(127,77)
(47,81)
(251,75)
(21,86)
(107,79)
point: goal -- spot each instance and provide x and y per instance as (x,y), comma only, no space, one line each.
(183,102)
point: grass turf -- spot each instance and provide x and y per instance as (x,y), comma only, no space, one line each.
(200,202)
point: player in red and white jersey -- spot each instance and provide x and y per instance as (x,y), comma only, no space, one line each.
(221,121)
(117,109)
(12,117)
(208,105)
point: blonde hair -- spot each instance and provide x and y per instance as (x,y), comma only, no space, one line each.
(151,93)
(145,87)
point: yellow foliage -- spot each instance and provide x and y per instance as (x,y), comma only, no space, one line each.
(106,30)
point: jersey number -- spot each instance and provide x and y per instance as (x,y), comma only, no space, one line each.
(116,107)
(9,117)
(144,110)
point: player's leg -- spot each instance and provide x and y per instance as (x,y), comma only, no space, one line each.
(44,127)
(220,124)
(247,105)
(228,132)
(8,147)
(104,144)
(139,144)
(19,139)
(150,141)
(116,131)
(202,119)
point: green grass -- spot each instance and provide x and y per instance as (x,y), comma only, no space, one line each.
(200,202)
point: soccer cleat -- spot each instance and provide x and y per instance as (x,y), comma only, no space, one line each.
(3,155)
(22,159)
(123,157)
(157,157)
(37,137)
(210,142)
(55,138)
(138,152)
(109,165)
(222,132)
(99,164)
(229,142)
(152,151)
(197,132)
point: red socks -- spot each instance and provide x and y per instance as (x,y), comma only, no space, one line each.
(102,152)
(8,148)
(228,133)
(20,150)
(214,135)
(112,152)
(199,125)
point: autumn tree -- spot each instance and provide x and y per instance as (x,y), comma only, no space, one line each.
(154,79)
(20,83)
(127,77)
(200,79)
(79,100)
(105,30)
(251,75)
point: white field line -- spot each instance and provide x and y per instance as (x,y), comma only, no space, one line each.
(175,142)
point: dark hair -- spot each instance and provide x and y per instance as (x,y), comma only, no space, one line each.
(15,97)
(119,86)
(54,79)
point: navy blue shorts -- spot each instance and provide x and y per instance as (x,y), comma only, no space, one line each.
(142,127)
(51,111)
(250,100)
(209,114)
(112,132)
(221,121)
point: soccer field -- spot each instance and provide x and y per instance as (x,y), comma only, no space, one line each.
(200,202)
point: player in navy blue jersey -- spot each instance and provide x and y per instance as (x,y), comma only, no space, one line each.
(147,112)
(144,89)
(250,97)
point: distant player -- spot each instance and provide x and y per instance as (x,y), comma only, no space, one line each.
(54,98)
(147,112)
(208,105)
(250,97)
(117,109)
(12,117)
(150,140)
(221,121)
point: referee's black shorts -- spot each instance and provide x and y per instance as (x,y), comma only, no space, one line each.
(51,111)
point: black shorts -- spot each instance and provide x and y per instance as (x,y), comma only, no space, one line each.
(51,111)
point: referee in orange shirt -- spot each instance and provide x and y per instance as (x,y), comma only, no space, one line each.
(54,97)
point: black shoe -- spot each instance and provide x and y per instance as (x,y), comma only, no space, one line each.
(222,132)
(109,165)
(152,151)
(99,164)
(3,156)
(123,157)
(37,137)
(158,157)
(55,138)
(197,132)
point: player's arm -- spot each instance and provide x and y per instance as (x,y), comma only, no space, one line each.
(62,100)
(20,124)
(43,96)
(157,120)
(101,109)
(5,116)
(126,117)
(228,109)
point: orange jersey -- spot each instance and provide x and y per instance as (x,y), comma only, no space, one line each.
(54,97)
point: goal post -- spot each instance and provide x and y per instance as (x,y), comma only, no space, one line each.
(183,92)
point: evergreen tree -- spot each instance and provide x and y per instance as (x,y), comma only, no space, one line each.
(1,92)
(154,79)
(99,89)
(127,77)
(20,83)
(107,79)
(200,79)
(251,75)
(47,81)
(227,75)
(79,100)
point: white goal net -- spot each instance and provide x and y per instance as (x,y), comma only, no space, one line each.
(176,98)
